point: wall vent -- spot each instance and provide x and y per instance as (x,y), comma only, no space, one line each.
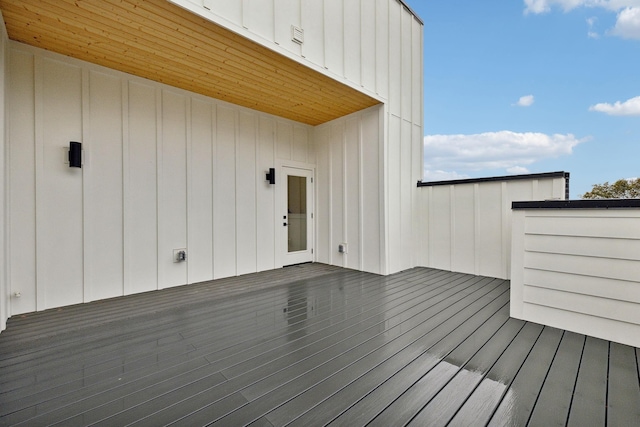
(297,34)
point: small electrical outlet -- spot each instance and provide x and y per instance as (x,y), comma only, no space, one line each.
(179,255)
(342,248)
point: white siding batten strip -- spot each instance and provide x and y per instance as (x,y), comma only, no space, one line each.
(214,180)
(477,247)
(126,195)
(452,226)
(345,198)
(361,189)
(236,137)
(159,181)
(87,265)
(39,171)
(330,194)
(506,231)
(188,181)
(258,180)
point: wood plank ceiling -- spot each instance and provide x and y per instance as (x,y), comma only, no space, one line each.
(160,41)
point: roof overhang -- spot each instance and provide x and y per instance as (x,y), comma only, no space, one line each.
(160,41)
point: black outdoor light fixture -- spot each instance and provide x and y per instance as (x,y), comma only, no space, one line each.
(271,176)
(75,154)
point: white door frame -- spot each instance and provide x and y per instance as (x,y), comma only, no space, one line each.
(282,216)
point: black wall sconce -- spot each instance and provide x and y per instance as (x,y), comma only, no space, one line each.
(271,176)
(75,154)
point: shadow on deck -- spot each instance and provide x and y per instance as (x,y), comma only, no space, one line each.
(312,345)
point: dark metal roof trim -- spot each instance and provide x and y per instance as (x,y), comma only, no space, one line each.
(561,174)
(406,6)
(579,204)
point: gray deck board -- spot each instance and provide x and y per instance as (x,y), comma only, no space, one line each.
(311,345)
(411,402)
(517,404)
(590,397)
(133,347)
(357,402)
(554,401)
(481,404)
(451,397)
(317,362)
(361,401)
(416,333)
(623,401)
(273,367)
(253,374)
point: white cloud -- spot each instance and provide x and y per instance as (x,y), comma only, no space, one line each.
(591,22)
(613,4)
(536,6)
(525,101)
(518,170)
(628,24)
(493,150)
(630,107)
(544,6)
(439,175)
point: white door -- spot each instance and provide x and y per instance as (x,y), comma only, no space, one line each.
(297,215)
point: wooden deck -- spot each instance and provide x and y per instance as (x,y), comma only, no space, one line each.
(312,345)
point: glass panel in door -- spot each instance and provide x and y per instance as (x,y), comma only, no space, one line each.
(297,213)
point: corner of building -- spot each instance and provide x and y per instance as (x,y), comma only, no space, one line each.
(4,285)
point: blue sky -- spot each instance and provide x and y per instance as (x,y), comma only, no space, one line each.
(528,86)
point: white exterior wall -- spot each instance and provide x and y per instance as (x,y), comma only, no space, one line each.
(163,169)
(4,285)
(167,169)
(467,227)
(579,270)
(345,187)
(375,46)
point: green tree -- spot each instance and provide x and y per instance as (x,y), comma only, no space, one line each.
(621,189)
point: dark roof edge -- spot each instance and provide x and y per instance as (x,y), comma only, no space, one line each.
(579,204)
(560,174)
(402,2)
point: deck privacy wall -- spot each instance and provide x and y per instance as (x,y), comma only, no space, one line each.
(163,169)
(467,227)
(579,270)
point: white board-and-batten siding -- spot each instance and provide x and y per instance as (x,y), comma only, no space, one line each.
(579,270)
(348,192)
(467,227)
(168,169)
(163,169)
(375,46)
